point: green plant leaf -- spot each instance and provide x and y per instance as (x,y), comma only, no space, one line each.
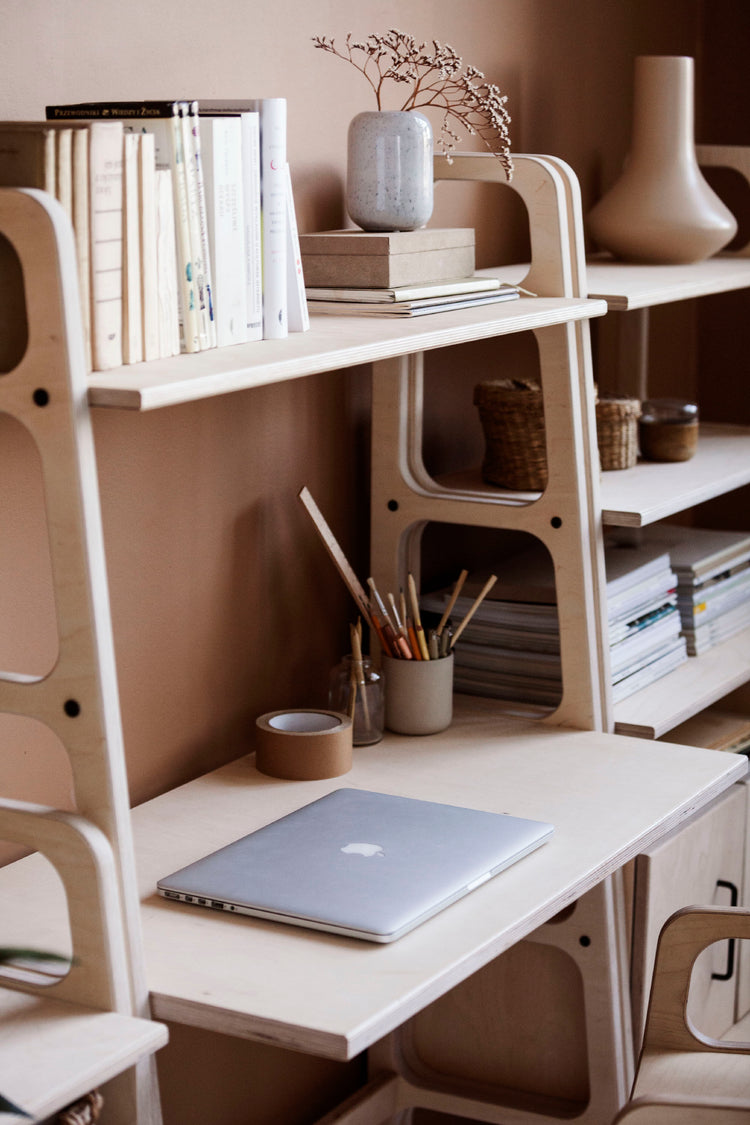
(10,953)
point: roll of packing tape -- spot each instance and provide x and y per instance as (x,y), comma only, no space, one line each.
(303,745)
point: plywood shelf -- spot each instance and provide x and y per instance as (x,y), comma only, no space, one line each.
(332,343)
(53,1052)
(648,492)
(627,286)
(651,491)
(698,683)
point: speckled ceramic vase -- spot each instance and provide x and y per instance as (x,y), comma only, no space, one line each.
(389,170)
(662,210)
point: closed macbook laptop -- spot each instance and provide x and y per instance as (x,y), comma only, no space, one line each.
(364,864)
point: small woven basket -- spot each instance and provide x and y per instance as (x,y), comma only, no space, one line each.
(512,418)
(617,431)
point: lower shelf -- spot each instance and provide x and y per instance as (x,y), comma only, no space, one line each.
(696,684)
(53,1052)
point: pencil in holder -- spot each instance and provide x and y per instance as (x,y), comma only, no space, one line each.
(512,416)
(617,431)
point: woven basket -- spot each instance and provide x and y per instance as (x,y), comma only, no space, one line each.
(512,418)
(617,431)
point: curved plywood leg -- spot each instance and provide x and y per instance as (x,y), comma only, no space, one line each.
(45,390)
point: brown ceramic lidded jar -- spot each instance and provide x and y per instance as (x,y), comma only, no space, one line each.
(668,430)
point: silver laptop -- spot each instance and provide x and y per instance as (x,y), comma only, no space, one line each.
(367,865)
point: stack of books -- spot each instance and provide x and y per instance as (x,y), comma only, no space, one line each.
(182,216)
(398,273)
(713,581)
(511,648)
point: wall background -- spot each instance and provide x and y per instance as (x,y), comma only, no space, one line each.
(224,603)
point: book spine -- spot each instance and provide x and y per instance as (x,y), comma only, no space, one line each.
(273,204)
(223,169)
(166,265)
(64,169)
(81,208)
(132,309)
(98,111)
(188,303)
(298,316)
(149,283)
(194,226)
(207,279)
(105,194)
(253,243)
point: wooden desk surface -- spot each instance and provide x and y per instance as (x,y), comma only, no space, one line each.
(608,796)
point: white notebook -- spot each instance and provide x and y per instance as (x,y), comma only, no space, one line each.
(363,864)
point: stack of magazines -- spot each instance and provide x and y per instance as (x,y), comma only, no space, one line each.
(511,648)
(713,580)
(410,300)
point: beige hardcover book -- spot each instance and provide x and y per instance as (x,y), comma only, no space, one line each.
(387,259)
(105,188)
(64,169)
(149,284)
(81,206)
(166,265)
(132,308)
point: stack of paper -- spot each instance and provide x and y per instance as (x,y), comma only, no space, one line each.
(713,580)
(511,648)
(410,300)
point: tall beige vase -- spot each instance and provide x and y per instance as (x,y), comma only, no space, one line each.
(662,210)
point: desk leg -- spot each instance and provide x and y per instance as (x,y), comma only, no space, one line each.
(498,1048)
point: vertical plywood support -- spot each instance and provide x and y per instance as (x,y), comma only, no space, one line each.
(464,1067)
(566,517)
(46,391)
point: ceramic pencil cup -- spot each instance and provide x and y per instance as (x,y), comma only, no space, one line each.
(418,694)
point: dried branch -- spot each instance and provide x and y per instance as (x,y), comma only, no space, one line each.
(438,80)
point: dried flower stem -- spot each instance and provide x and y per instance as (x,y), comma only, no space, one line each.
(438,80)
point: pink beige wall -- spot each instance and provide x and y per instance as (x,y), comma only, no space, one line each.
(224,604)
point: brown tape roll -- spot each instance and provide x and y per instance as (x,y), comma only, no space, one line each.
(303,745)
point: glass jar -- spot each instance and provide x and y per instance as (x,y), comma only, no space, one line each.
(668,430)
(356,688)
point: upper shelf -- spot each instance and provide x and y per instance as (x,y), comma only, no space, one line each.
(624,286)
(332,342)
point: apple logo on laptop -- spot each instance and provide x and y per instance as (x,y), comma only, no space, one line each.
(363,849)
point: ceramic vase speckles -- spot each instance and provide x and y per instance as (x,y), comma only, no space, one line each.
(662,210)
(389,170)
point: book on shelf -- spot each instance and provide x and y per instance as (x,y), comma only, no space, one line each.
(273,218)
(476,283)
(380,260)
(273,191)
(32,154)
(58,157)
(298,317)
(249,119)
(148,238)
(166,265)
(172,150)
(222,152)
(421,307)
(132,307)
(198,222)
(511,647)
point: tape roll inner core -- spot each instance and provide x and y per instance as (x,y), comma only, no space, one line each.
(304,722)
